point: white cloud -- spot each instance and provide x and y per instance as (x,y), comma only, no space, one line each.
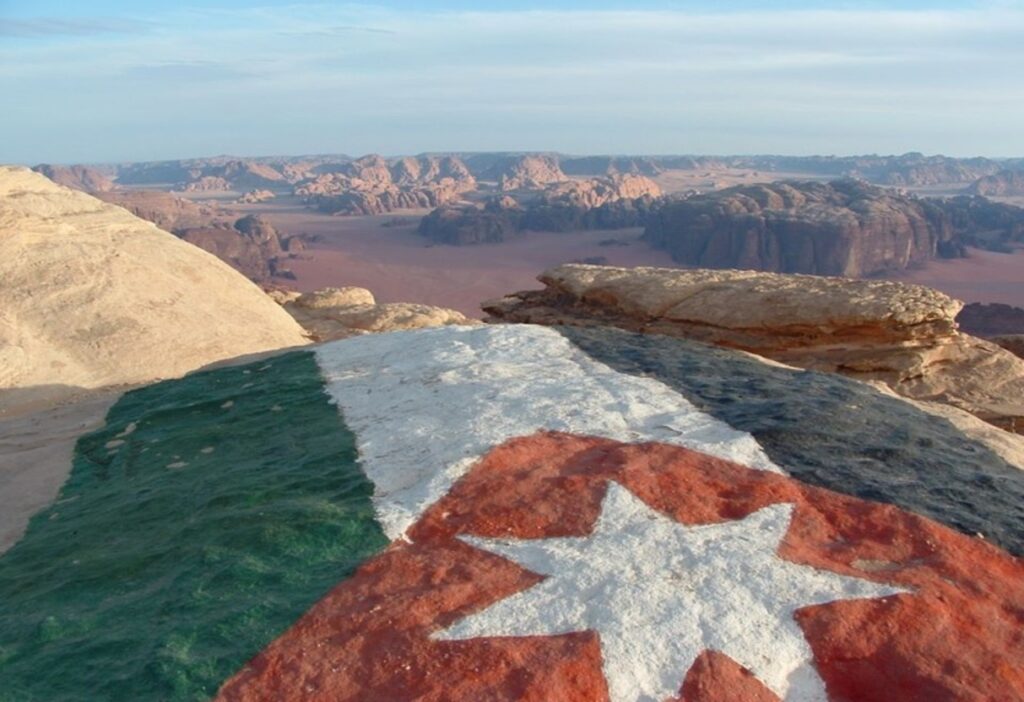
(362,78)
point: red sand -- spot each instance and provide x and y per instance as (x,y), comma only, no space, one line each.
(397,265)
(984,277)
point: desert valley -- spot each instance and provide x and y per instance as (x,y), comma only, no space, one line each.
(546,362)
(409,227)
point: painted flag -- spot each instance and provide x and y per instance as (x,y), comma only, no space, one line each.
(519,513)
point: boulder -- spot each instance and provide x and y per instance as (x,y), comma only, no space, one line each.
(899,334)
(94,296)
(337,313)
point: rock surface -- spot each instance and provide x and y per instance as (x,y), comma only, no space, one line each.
(1002,184)
(251,245)
(612,202)
(531,172)
(94,296)
(338,313)
(844,227)
(359,513)
(165,210)
(84,178)
(373,185)
(902,335)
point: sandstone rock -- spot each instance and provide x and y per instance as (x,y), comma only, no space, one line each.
(337,313)
(1002,184)
(251,246)
(596,192)
(844,227)
(256,196)
(336,297)
(1014,343)
(902,335)
(82,178)
(372,185)
(94,296)
(531,172)
(205,183)
(165,210)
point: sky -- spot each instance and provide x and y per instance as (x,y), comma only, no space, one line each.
(113,80)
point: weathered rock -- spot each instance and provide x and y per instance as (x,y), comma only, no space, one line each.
(372,185)
(94,296)
(256,196)
(531,172)
(902,335)
(337,313)
(1002,184)
(1014,343)
(251,246)
(474,513)
(84,178)
(165,210)
(336,297)
(596,192)
(845,227)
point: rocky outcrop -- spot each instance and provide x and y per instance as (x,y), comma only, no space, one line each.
(338,313)
(1002,184)
(902,335)
(460,225)
(84,178)
(1014,343)
(165,210)
(372,185)
(94,296)
(251,246)
(256,196)
(531,172)
(845,227)
(595,192)
(614,202)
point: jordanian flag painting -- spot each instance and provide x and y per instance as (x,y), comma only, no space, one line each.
(519,513)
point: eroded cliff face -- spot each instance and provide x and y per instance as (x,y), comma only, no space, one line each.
(1002,184)
(844,227)
(373,185)
(902,335)
(608,202)
(841,228)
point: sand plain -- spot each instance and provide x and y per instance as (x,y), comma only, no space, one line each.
(385,254)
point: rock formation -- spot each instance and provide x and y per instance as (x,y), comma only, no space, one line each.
(845,227)
(338,313)
(84,178)
(166,210)
(94,296)
(531,172)
(1002,184)
(251,246)
(256,196)
(612,202)
(902,335)
(372,185)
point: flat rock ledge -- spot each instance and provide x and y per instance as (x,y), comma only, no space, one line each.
(902,335)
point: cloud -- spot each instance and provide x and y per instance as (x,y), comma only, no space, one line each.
(187,71)
(364,78)
(57,27)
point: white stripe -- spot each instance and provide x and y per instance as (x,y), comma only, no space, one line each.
(425,405)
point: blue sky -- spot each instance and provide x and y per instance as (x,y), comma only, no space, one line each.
(112,80)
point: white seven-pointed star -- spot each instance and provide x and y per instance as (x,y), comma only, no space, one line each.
(658,593)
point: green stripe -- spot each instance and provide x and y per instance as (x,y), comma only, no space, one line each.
(149,582)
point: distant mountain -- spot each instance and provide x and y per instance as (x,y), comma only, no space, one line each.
(845,227)
(1001,184)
